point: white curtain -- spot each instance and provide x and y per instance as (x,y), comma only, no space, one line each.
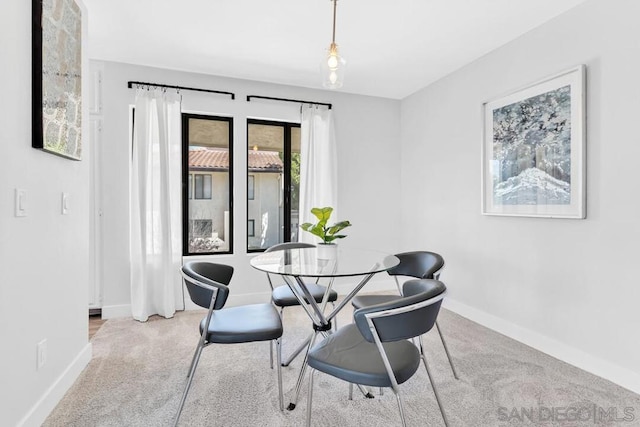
(155,205)
(318,166)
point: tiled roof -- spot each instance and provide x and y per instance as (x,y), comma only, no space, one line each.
(212,158)
(264,160)
(209,159)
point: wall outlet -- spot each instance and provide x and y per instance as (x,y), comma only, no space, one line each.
(41,354)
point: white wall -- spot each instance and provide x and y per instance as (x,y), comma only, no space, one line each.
(367,132)
(43,289)
(568,287)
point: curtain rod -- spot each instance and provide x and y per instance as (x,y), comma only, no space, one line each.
(131,84)
(288,100)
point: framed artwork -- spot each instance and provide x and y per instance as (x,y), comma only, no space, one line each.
(57,77)
(533,152)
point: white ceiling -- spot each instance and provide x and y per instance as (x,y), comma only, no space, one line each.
(393,48)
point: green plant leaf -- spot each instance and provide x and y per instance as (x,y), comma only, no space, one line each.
(323,214)
(338,226)
(320,229)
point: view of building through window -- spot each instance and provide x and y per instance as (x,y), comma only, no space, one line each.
(273,183)
(207,213)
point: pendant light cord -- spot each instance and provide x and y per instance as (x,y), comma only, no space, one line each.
(333,38)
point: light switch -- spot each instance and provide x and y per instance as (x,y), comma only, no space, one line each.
(21,202)
(65,203)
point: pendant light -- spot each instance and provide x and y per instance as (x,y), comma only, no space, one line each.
(333,64)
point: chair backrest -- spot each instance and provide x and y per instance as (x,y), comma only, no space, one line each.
(418,264)
(289,245)
(282,247)
(203,279)
(408,316)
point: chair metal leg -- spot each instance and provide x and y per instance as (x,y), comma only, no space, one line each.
(192,370)
(446,350)
(310,396)
(362,389)
(279,355)
(365,392)
(433,384)
(400,406)
(271,354)
(193,359)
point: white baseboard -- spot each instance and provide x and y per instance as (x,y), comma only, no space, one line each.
(43,407)
(113,311)
(578,358)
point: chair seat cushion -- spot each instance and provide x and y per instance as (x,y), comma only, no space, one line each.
(348,356)
(369,300)
(256,322)
(283,296)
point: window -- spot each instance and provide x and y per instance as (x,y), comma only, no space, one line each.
(273,182)
(251,228)
(251,185)
(202,228)
(207,184)
(203,186)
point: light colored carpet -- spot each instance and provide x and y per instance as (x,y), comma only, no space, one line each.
(139,370)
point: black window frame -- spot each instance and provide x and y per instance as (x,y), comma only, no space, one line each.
(185,183)
(286,173)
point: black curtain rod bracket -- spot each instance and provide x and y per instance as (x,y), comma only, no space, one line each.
(130,85)
(300,101)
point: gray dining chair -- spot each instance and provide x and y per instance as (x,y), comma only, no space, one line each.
(208,287)
(375,350)
(416,264)
(282,296)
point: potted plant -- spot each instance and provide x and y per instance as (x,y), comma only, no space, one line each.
(328,233)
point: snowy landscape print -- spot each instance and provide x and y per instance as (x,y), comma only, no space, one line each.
(531,162)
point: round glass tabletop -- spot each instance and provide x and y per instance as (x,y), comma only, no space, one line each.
(320,262)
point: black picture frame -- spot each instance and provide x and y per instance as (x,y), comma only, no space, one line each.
(57,77)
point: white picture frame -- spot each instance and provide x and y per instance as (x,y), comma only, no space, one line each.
(533,149)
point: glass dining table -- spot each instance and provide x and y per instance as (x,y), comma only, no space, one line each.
(294,265)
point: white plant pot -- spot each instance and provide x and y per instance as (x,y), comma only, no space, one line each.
(327,251)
